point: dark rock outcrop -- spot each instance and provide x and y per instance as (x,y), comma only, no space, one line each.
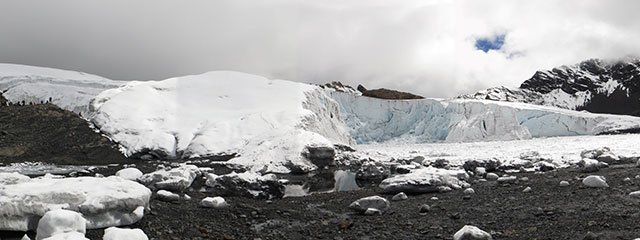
(384,93)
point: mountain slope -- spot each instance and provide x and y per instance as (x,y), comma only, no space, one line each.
(67,89)
(599,86)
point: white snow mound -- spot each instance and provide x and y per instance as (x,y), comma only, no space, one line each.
(267,122)
(104,202)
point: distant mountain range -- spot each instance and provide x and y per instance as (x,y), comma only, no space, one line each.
(595,85)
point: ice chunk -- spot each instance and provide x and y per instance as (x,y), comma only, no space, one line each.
(213,202)
(114,233)
(469,232)
(422,181)
(60,221)
(345,181)
(129,173)
(176,179)
(363,205)
(103,202)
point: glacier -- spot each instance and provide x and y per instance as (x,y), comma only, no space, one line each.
(68,90)
(373,120)
(266,124)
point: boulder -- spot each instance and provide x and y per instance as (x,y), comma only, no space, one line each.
(564,184)
(490,165)
(422,181)
(129,173)
(507,179)
(595,181)
(635,194)
(373,171)
(103,202)
(214,202)
(376,202)
(492,176)
(587,165)
(469,232)
(67,236)
(167,196)
(246,184)
(175,180)
(399,197)
(114,233)
(469,191)
(321,156)
(60,222)
(603,154)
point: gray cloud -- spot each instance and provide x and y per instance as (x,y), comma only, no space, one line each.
(420,46)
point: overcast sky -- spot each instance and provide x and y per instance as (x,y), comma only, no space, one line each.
(426,47)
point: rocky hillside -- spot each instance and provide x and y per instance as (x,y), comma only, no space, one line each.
(46,133)
(595,85)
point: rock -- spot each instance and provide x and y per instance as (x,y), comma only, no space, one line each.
(589,165)
(25,237)
(564,184)
(524,179)
(167,196)
(372,171)
(469,191)
(443,189)
(592,236)
(129,173)
(489,165)
(361,205)
(527,189)
(469,232)
(492,176)
(480,171)
(422,181)
(626,179)
(545,166)
(507,179)
(424,208)
(595,182)
(114,233)
(214,202)
(59,222)
(246,184)
(400,196)
(440,163)
(103,202)
(372,211)
(321,156)
(635,194)
(603,154)
(345,181)
(175,180)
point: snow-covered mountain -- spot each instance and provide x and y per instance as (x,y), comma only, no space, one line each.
(67,89)
(600,86)
(268,124)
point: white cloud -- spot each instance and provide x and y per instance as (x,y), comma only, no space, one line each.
(425,47)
